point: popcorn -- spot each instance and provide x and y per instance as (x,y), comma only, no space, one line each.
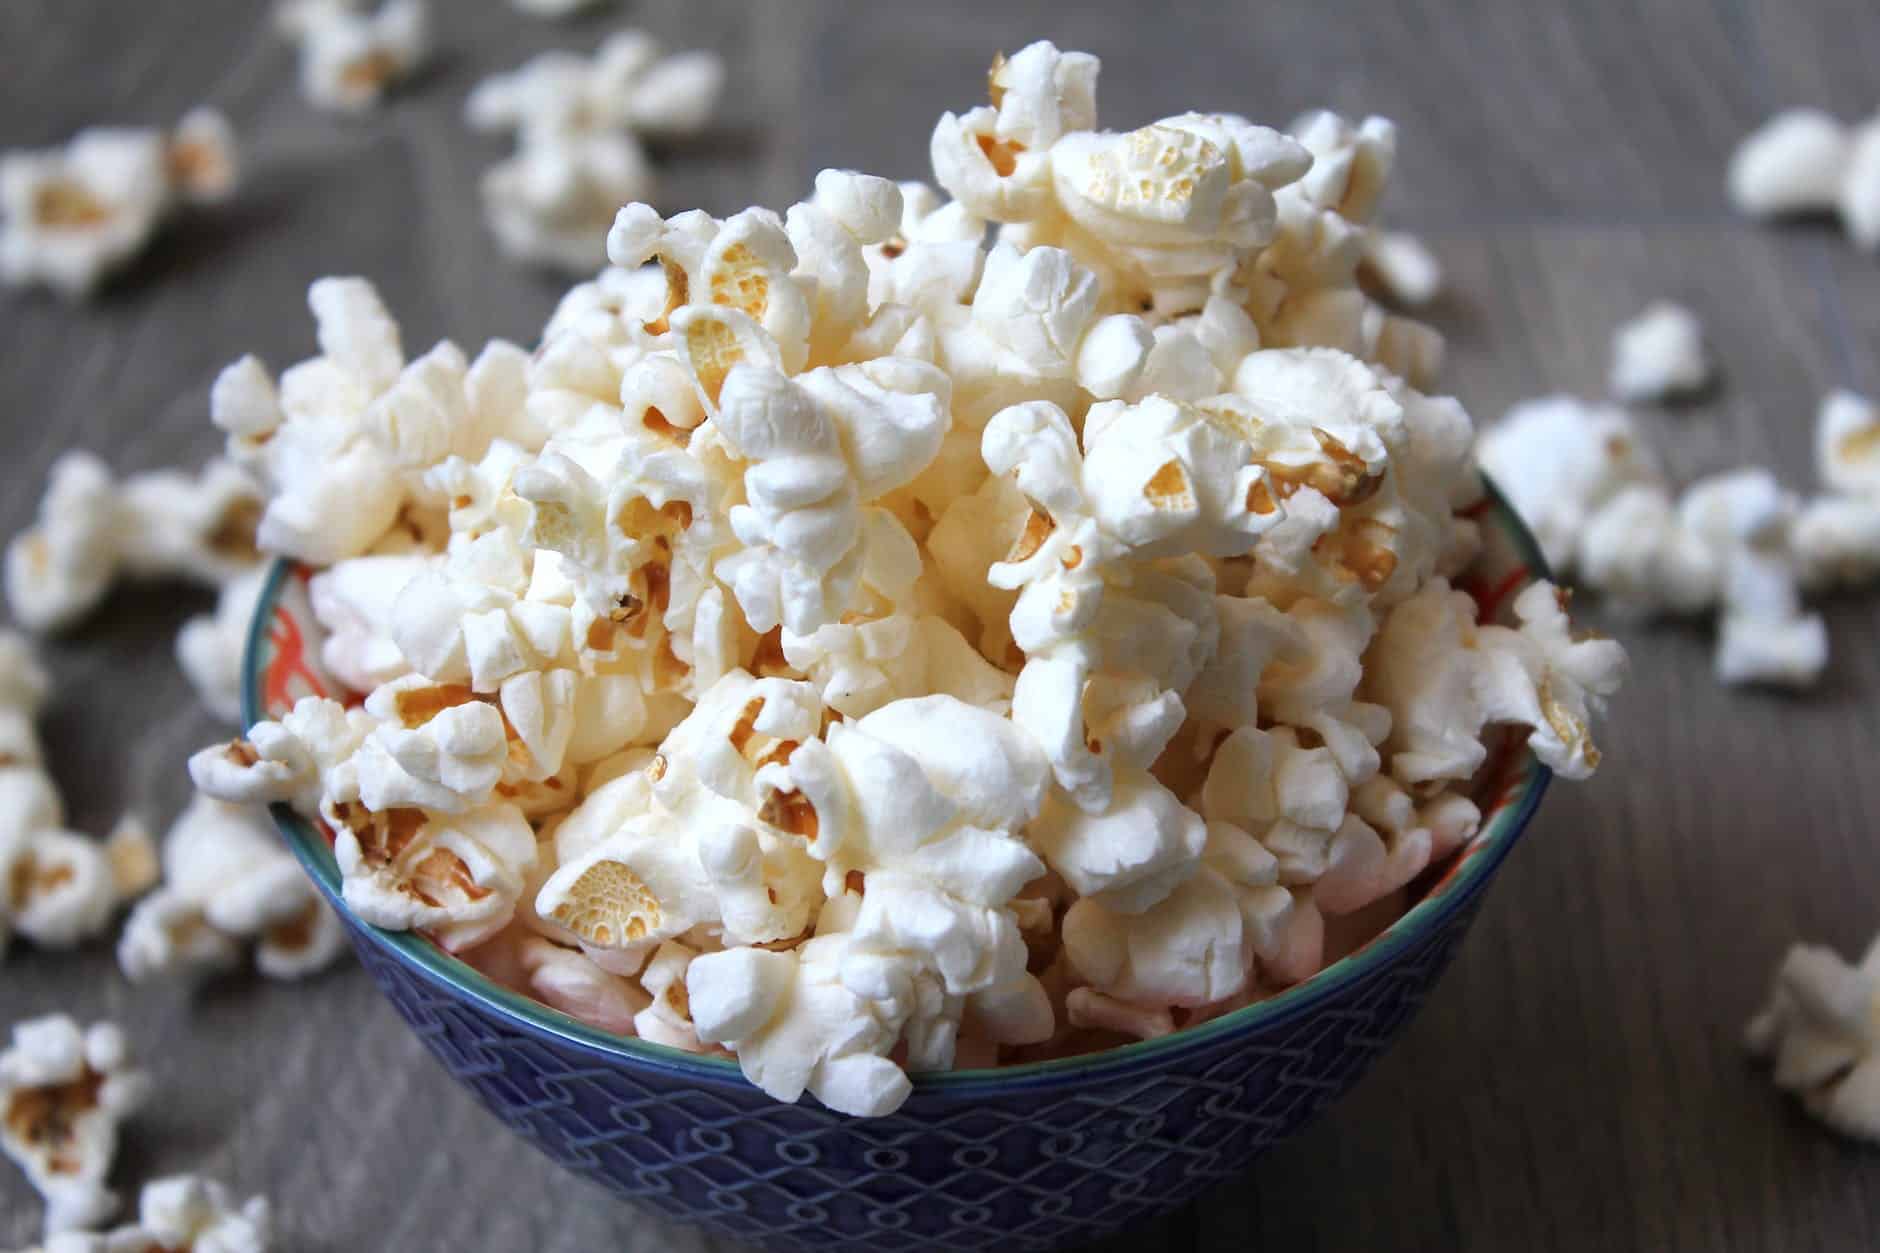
(1794,162)
(1803,160)
(1403,266)
(565,980)
(866,649)
(342,441)
(74,215)
(228,881)
(91,528)
(350,58)
(578,124)
(210,647)
(1847,444)
(1557,460)
(1820,1028)
(1443,679)
(1659,353)
(60,887)
(64,1091)
(184,1214)
(1859,200)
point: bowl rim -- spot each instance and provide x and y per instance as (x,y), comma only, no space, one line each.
(457,979)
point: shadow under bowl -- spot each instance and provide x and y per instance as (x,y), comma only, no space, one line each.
(1022,1157)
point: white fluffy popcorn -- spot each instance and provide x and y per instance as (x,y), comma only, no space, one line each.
(578,124)
(1794,162)
(182,1214)
(349,58)
(1659,353)
(93,528)
(868,648)
(1805,161)
(1557,460)
(1820,1030)
(64,1090)
(227,882)
(1847,444)
(1404,267)
(210,646)
(1738,542)
(62,887)
(71,216)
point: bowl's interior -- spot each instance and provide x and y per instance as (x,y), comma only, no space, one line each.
(282,665)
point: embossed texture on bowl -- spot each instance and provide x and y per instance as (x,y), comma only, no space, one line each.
(1023,1157)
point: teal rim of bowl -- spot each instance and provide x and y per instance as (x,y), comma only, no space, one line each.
(432,964)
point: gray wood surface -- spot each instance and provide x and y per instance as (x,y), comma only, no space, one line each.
(1575,1083)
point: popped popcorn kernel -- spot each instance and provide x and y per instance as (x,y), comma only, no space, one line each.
(72,216)
(64,1091)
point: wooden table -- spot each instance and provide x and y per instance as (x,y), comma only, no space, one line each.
(1576,1082)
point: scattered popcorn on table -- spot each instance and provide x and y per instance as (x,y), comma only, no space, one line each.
(1821,1032)
(228,882)
(1659,353)
(57,888)
(71,216)
(349,58)
(578,123)
(63,1092)
(1793,163)
(1804,161)
(93,528)
(867,651)
(209,648)
(184,1214)
(1737,542)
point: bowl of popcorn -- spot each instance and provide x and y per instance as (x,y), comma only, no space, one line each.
(915,721)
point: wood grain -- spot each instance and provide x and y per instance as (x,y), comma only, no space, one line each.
(1575,1083)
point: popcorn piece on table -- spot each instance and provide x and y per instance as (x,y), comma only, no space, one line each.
(92,528)
(71,216)
(1859,201)
(578,123)
(1794,162)
(1659,353)
(64,1091)
(62,887)
(1821,1031)
(184,1214)
(349,58)
(228,882)
(1847,444)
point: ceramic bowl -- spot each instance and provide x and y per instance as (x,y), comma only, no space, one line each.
(1022,1157)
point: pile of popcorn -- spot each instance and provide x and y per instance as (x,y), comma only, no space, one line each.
(866,651)
(1738,543)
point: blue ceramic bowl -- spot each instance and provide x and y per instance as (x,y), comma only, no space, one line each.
(1022,1157)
